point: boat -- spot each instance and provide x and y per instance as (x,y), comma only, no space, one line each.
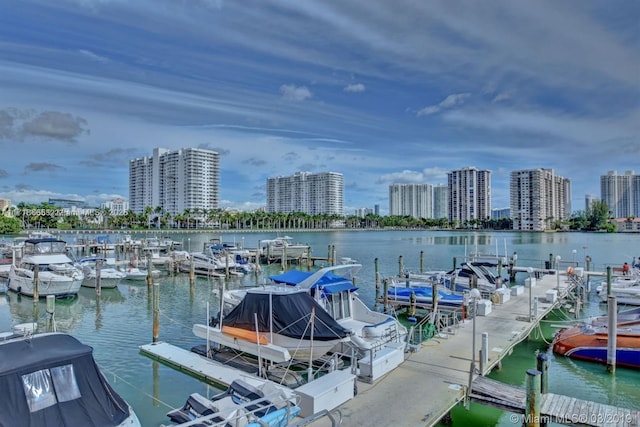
(589,340)
(626,289)
(274,250)
(422,293)
(333,290)
(277,324)
(138,274)
(475,274)
(241,404)
(53,379)
(56,273)
(110,277)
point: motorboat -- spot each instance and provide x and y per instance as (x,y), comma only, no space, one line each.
(422,293)
(110,277)
(277,324)
(589,340)
(474,274)
(626,289)
(138,274)
(53,379)
(333,289)
(47,261)
(242,403)
(274,250)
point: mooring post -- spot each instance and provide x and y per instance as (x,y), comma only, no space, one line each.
(149,272)
(385,297)
(421,261)
(156,311)
(484,355)
(400,266)
(609,274)
(612,335)
(542,365)
(36,283)
(192,270)
(377,273)
(334,257)
(98,277)
(309,262)
(532,407)
(51,310)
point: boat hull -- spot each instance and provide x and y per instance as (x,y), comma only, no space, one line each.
(577,344)
(58,286)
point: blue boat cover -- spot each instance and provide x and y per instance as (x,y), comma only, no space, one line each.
(330,282)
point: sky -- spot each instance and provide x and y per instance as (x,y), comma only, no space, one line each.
(382,91)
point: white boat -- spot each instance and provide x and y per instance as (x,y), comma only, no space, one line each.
(56,273)
(110,277)
(137,274)
(626,289)
(470,275)
(277,324)
(242,404)
(282,247)
(333,289)
(54,380)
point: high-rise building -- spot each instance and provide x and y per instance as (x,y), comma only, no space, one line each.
(538,199)
(441,201)
(414,200)
(589,200)
(313,194)
(621,193)
(117,206)
(469,195)
(5,204)
(175,181)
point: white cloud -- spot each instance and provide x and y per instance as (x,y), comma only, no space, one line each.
(448,102)
(295,93)
(356,87)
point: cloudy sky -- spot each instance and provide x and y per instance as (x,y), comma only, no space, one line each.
(382,91)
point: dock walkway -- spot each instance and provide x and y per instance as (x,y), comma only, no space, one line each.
(431,381)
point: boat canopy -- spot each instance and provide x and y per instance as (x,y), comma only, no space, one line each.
(290,315)
(329,282)
(53,380)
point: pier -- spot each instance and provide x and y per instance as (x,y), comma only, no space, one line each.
(434,379)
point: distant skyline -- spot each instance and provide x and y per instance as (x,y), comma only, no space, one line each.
(380,91)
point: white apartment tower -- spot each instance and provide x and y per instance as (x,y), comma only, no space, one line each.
(441,201)
(538,199)
(469,195)
(313,194)
(175,181)
(621,193)
(414,200)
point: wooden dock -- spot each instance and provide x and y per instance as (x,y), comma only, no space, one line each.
(553,408)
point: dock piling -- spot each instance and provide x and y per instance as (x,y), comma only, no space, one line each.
(612,335)
(532,407)
(542,365)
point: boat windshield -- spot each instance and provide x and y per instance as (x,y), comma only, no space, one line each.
(45,247)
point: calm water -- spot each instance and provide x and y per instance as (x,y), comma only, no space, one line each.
(118,322)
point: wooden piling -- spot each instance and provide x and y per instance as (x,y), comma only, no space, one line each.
(36,283)
(149,272)
(609,274)
(98,277)
(532,406)
(51,310)
(156,311)
(400,266)
(542,365)
(385,297)
(421,261)
(377,273)
(612,334)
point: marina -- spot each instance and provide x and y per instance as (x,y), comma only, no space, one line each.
(438,370)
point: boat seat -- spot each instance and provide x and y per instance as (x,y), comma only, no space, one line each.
(196,406)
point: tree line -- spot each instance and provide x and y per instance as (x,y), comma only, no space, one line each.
(29,216)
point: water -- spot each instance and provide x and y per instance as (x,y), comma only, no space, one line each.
(121,320)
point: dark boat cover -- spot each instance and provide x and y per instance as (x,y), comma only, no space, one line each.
(47,364)
(291,316)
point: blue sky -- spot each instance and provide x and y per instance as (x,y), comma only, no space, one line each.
(382,91)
